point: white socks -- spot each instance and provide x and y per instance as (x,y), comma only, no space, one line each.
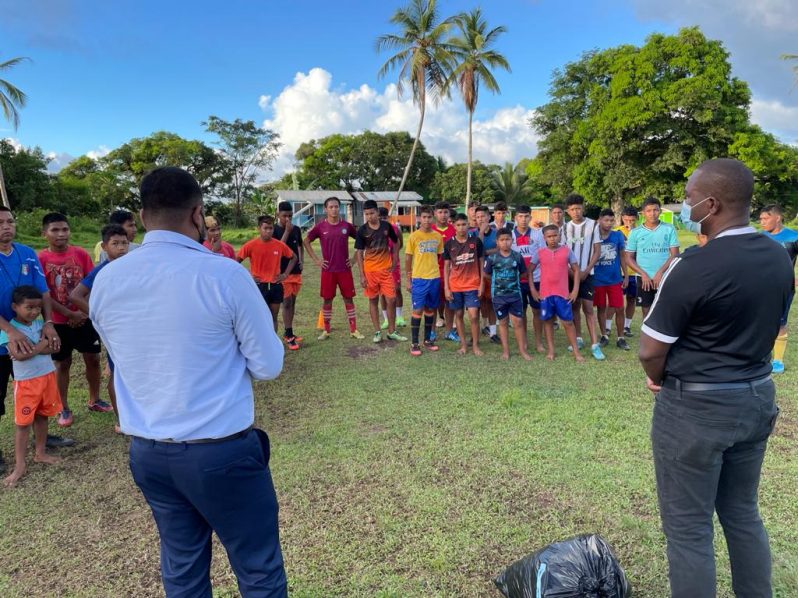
(627,323)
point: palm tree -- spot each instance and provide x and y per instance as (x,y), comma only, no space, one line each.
(510,183)
(475,63)
(11,99)
(795,68)
(424,60)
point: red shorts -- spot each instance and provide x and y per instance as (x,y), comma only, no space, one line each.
(36,396)
(608,296)
(291,285)
(380,282)
(340,280)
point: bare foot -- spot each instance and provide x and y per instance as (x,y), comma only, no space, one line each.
(117,429)
(477,351)
(541,349)
(461,351)
(578,356)
(11,481)
(505,356)
(526,356)
(49,459)
(550,356)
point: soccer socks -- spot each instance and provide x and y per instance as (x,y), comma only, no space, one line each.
(415,324)
(289,332)
(627,322)
(384,315)
(350,315)
(780,347)
(327,316)
(608,325)
(492,329)
(429,322)
(398,312)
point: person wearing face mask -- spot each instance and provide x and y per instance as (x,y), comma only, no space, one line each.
(705,348)
(183,380)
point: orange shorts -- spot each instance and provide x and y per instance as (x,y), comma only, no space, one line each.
(380,282)
(291,285)
(37,396)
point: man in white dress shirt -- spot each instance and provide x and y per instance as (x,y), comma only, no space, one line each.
(188,332)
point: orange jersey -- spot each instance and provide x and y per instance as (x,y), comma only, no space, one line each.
(264,258)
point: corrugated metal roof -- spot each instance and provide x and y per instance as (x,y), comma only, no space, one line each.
(407,196)
(315,196)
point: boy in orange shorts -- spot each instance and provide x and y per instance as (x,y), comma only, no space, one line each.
(291,235)
(376,263)
(36,394)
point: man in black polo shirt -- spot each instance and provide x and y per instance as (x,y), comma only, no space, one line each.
(705,347)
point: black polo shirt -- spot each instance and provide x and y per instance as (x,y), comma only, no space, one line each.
(294,242)
(719,308)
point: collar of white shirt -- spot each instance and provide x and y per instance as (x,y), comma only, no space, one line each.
(168,236)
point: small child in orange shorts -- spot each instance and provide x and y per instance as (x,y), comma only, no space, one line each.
(35,389)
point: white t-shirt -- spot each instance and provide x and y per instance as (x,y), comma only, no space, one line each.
(580,239)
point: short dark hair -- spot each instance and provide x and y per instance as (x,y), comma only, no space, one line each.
(329,199)
(549,227)
(169,189)
(500,206)
(630,211)
(265,219)
(502,232)
(5,209)
(523,210)
(112,230)
(651,201)
(574,199)
(25,291)
(52,217)
(285,206)
(773,208)
(383,212)
(460,217)
(606,212)
(120,217)
(426,210)
(452,213)
(558,205)
(442,205)
(483,209)
(369,204)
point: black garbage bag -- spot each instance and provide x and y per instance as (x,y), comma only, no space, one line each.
(580,567)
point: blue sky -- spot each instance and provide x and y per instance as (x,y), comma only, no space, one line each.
(102,73)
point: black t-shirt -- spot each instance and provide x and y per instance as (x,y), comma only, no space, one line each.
(294,242)
(374,242)
(719,307)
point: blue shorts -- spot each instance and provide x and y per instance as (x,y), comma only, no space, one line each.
(464,300)
(554,305)
(631,289)
(508,305)
(425,293)
(785,316)
(526,296)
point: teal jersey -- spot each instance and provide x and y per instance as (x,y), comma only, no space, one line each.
(652,247)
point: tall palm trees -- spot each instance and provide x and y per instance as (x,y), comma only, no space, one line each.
(11,99)
(423,57)
(476,59)
(510,183)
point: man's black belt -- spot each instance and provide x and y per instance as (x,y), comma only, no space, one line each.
(676,384)
(240,434)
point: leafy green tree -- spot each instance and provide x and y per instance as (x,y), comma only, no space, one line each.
(450,185)
(11,97)
(424,60)
(248,151)
(25,173)
(475,61)
(511,184)
(629,121)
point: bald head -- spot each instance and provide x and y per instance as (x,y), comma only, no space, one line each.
(729,181)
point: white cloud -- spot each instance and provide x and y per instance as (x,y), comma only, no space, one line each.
(100,152)
(14,143)
(57,160)
(774,116)
(311,108)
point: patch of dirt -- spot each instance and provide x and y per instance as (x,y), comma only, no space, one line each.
(361,351)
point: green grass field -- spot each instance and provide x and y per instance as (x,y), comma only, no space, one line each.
(398,476)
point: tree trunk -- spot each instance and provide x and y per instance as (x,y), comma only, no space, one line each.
(422,105)
(617,205)
(3,193)
(468,168)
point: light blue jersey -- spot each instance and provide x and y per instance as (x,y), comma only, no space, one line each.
(38,365)
(652,247)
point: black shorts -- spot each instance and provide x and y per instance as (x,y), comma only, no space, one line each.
(526,296)
(272,292)
(83,339)
(644,298)
(585,288)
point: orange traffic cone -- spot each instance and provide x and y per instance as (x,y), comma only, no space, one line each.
(320,321)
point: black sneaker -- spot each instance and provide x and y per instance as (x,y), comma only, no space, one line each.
(622,344)
(604,340)
(496,340)
(58,441)
(556,325)
(486,331)
(627,332)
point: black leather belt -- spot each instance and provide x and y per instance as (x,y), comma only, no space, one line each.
(676,384)
(240,434)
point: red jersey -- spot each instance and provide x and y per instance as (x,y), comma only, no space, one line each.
(447,233)
(334,240)
(63,272)
(226,249)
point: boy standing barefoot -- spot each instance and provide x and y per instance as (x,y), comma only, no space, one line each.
(35,387)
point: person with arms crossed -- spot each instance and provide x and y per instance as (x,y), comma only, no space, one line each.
(609,279)
(214,241)
(705,348)
(462,277)
(291,235)
(650,250)
(629,218)
(771,218)
(187,399)
(333,234)
(424,246)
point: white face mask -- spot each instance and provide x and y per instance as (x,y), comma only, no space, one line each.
(684,215)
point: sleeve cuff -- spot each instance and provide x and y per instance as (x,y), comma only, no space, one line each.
(663,338)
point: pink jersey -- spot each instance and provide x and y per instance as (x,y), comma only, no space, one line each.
(554,265)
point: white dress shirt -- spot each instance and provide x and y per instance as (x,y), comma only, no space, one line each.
(187,331)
